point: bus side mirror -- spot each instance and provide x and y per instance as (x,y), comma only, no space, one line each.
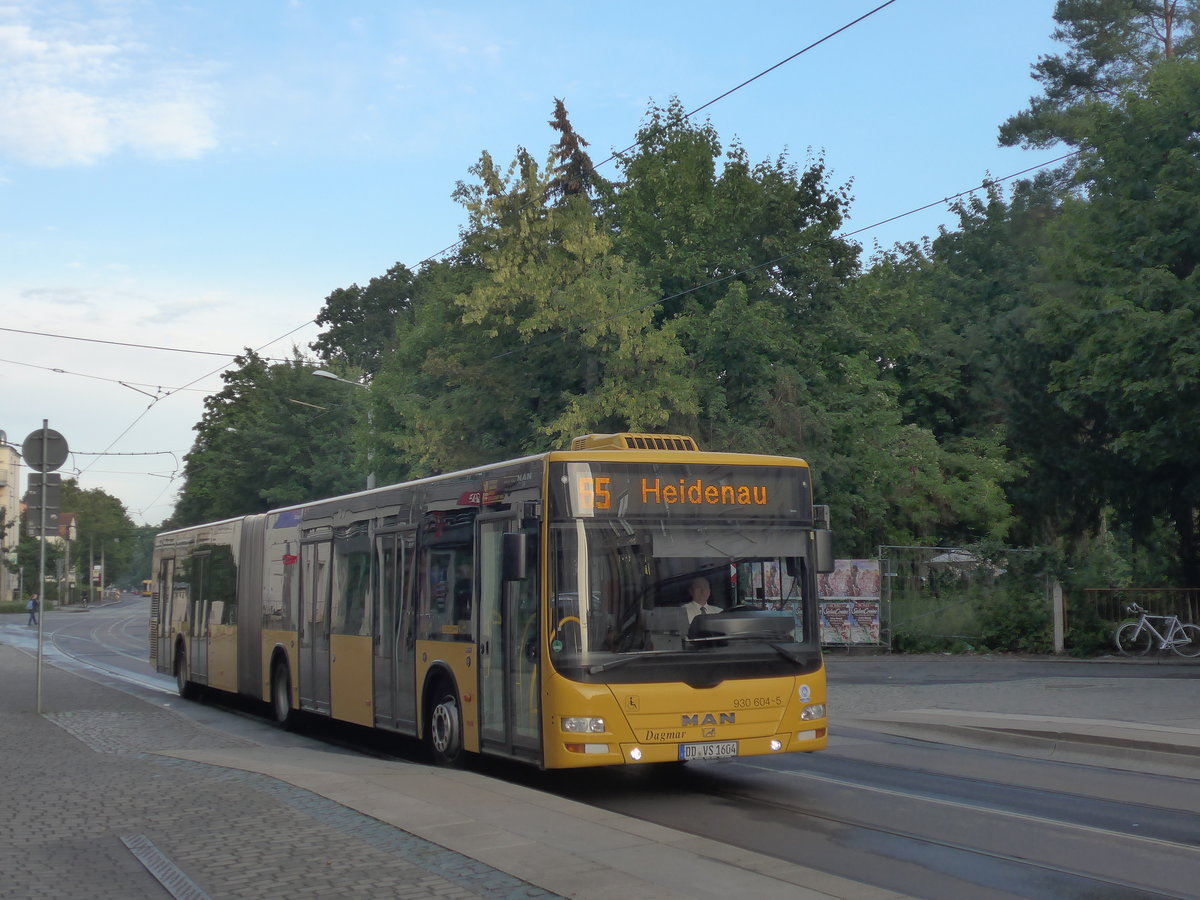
(821,516)
(823,549)
(514,548)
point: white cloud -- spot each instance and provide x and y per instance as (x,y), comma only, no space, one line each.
(58,297)
(50,126)
(67,100)
(168,128)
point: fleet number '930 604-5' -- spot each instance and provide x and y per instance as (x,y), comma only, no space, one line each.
(757,702)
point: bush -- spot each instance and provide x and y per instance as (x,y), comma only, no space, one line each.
(1018,621)
(1087,634)
(914,642)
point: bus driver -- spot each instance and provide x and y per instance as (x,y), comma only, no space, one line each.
(699,591)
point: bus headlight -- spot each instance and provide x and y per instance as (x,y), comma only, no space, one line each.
(813,711)
(583,724)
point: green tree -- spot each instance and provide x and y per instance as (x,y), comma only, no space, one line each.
(949,307)
(958,312)
(537,333)
(1119,314)
(702,294)
(572,171)
(746,265)
(765,298)
(141,560)
(1112,46)
(361,321)
(28,564)
(104,532)
(274,436)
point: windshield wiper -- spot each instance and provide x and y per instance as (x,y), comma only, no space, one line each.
(622,660)
(611,664)
(740,636)
(789,654)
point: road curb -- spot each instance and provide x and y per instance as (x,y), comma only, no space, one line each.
(1127,745)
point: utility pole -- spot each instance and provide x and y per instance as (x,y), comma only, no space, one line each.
(44,450)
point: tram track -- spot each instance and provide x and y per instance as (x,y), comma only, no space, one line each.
(62,641)
(1171,853)
(1175,825)
(929,846)
(735,797)
(94,638)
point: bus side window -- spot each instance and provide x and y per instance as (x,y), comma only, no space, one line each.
(446,576)
(433,602)
(222,582)
(464,587)
(352,580)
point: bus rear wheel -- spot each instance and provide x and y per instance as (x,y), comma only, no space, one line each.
(182,685)
(444,729)
(281,696)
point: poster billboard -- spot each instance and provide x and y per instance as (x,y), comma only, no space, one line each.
(849,601)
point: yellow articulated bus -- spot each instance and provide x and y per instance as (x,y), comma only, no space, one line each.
(631,600)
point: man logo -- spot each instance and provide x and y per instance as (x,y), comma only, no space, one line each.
(710,719)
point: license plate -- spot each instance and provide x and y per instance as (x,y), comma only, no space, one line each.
(718,750)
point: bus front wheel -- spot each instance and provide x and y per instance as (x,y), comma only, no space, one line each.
(445,727)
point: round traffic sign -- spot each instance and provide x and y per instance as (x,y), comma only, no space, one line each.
(44,450)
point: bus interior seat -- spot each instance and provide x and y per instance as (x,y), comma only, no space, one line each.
(666,627)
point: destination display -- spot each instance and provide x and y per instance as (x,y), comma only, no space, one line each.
(599,490)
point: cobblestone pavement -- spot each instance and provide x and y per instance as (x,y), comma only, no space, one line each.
(85,801)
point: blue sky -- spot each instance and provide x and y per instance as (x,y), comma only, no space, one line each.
(202,175)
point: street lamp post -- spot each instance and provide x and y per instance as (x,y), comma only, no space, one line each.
(324,373)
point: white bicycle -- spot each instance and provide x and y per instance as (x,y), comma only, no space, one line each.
(1136,638)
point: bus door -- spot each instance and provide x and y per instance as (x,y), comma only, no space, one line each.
(394,636)
(508,650)
(196,574)
(161,614)
(314,625)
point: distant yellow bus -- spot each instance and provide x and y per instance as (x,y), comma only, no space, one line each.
(148,587)
(537,609)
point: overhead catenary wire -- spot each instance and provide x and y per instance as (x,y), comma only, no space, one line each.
(71,337)
(155,401)
(133,385)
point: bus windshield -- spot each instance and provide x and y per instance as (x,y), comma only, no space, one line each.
(673,596)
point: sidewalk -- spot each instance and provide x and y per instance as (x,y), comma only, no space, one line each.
(105,788)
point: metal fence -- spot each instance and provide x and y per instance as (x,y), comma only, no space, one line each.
(951,598)
(939,599)
(1109,604)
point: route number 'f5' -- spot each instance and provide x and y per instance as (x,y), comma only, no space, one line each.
(594,492)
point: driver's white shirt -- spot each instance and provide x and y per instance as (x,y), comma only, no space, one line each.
(694,609)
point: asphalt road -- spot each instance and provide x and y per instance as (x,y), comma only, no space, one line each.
(927,815)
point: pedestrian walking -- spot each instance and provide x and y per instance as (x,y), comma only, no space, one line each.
(32,608)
